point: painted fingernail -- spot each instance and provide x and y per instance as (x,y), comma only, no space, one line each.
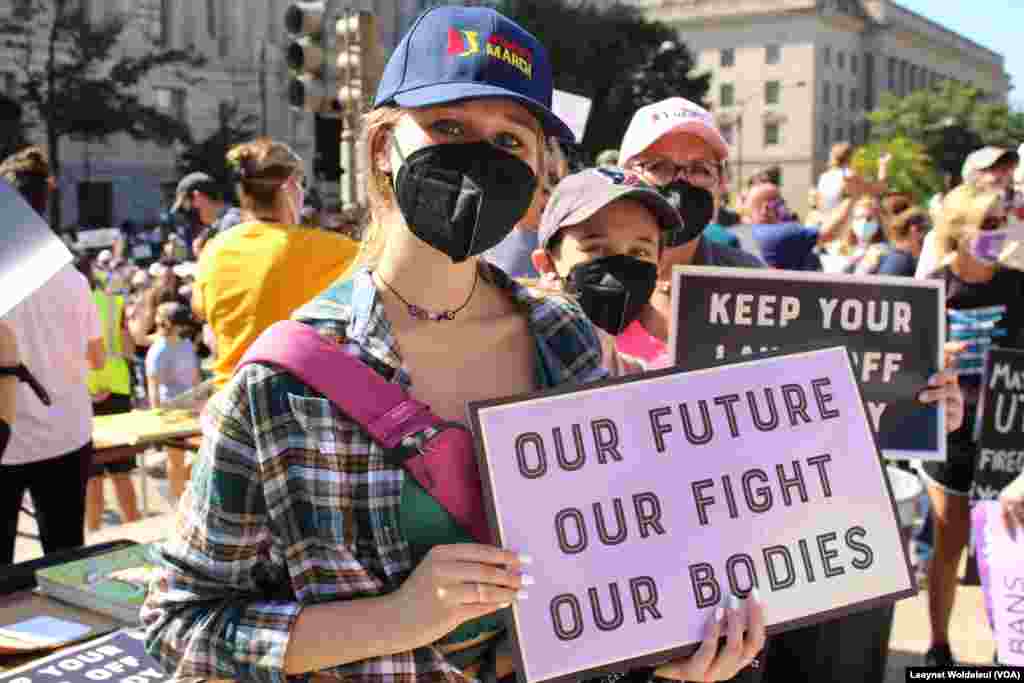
(522,595)
(934,379)
(733,603)
(526,580)
(719,614)
(525,558)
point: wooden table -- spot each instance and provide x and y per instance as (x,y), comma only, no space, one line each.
(28,603)
(128,435)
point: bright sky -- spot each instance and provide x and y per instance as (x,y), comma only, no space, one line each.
(995,24)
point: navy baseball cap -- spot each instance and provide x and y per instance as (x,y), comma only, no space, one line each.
(463,53)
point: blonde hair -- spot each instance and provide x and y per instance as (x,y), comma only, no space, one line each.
(380,192)
(840,155)
(261,167)
(963,212)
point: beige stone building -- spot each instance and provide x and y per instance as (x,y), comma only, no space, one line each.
(243,41)
(790,77)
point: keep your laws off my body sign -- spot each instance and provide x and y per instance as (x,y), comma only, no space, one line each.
(894,328)
(645,501)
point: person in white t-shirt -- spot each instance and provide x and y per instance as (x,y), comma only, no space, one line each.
(840,182)
(59,338)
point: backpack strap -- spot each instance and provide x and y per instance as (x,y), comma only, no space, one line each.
(445,466)
(381,407)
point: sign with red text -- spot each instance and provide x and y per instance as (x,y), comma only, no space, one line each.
(645,501)
(894,328)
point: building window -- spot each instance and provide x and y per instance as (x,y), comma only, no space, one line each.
(772,54)
(771,134)
(854,104)
(839,95)
(729,133)
(726,95)
(853,63)
(166,17)
(172,101)
(727,57)
(211,18)
(841,59)
(828,55)
(771,92)
(826,135)
(892,73)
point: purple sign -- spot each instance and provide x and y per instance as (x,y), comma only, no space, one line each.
(1001,566)
(645,501)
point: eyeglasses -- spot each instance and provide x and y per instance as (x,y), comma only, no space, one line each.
(993,222)
(664,171)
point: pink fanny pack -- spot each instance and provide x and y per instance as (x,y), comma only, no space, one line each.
(445,467)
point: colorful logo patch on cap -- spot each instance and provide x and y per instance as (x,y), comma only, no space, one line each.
(463,43)
(622,177)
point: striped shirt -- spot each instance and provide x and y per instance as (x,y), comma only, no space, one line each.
(292,504)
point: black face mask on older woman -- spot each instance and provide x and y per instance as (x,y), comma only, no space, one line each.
(463,198)
(695,205)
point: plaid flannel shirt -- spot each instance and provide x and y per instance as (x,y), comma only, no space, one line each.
(291,503)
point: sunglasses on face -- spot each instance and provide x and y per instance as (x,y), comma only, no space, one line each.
(993,223)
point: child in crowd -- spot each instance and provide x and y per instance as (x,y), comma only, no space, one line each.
(172,368)
(599,240)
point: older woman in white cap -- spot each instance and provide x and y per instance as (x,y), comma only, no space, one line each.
(675,146)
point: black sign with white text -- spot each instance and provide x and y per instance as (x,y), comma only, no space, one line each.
(894,328)
(999,428)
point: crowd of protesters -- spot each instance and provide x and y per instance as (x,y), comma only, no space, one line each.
(445,283)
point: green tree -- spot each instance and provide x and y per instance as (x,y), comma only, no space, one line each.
(614,56)
(209,154)
(73,86)
(949,121)
(911,170)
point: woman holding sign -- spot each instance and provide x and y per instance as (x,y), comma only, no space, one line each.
(985,307)
(301,544)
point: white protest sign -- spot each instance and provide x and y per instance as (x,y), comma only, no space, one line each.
(645,501)
(97,238)
(30,253)
(573,109)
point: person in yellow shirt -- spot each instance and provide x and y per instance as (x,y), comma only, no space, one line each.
(267,266)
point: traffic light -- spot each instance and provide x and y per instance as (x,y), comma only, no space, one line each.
(360,61)
(308,58)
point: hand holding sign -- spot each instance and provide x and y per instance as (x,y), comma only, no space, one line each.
(1012,502)
(743,616)
(455,584)
(944,388)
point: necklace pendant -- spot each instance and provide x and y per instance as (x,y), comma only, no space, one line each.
(417,312)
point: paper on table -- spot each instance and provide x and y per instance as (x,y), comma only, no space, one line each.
(30,253)
(44,630)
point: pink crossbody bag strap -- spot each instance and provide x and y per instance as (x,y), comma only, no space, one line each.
(445,467)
